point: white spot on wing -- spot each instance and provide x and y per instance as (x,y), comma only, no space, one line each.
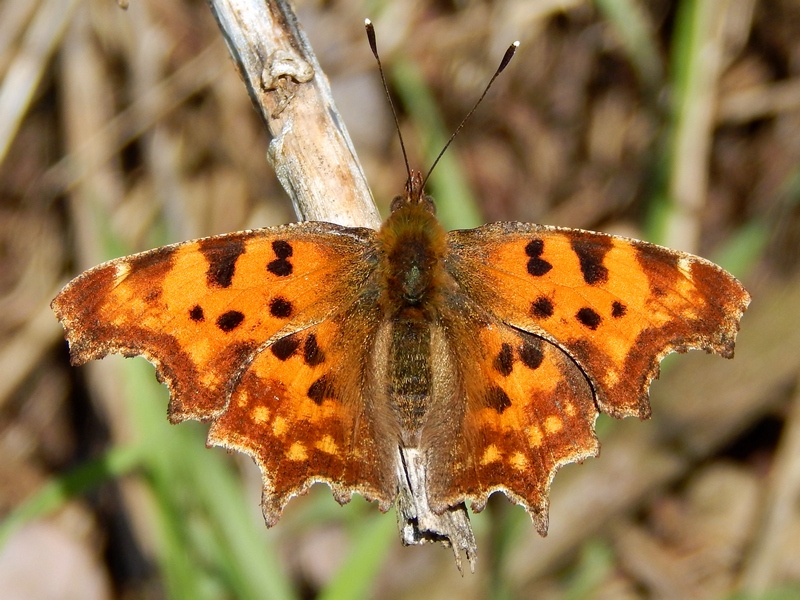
(121,270)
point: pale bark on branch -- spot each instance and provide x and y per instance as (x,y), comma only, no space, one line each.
(310,148)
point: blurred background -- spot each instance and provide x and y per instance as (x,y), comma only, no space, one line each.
(673,121)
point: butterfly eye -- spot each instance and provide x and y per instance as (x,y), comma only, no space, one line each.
(397,202)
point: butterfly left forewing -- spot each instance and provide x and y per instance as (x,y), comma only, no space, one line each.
(200,310)
(616,306)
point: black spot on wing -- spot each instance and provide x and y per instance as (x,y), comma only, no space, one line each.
(281,266)
(618,309)
(312,354)
(285,347)
(497,399)
(589,318)
(230,320)
(221,256)
(542,308)
(536,265)
(504,361)
(196,314)
(531,355)
(591,253)
(280,308)
(319,390)
(282,248)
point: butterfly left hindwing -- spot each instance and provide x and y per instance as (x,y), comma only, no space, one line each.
(298,411)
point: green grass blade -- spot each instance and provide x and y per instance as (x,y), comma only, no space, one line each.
(630,21)
(196,488)
(60,490)
(373,538)
(164,449)
(783,592)
(595,563)
(252,562)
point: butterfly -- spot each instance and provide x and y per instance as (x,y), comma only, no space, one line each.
(407,364)
(321,350)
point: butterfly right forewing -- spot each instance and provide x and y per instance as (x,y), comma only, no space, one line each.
(616,305)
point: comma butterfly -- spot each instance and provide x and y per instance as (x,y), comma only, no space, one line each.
(337,354)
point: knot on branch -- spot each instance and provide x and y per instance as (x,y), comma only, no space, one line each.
(283,64)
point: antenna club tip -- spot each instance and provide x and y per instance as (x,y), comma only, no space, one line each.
(512,49)
(373,44)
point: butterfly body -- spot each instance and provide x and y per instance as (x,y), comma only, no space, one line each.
(411,276)
(325,352)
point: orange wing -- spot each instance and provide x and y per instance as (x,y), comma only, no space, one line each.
(529,411)
(237,326)
(298,411)
(617,306)
(548,325)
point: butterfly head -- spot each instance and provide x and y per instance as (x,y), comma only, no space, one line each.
(414,195)
(414,244)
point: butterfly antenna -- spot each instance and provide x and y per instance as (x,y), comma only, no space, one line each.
(374,46)
(503,64)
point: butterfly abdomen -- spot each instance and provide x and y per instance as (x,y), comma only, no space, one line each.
(410,375)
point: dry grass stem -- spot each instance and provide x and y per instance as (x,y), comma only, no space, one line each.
(23,76)
(774,541)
